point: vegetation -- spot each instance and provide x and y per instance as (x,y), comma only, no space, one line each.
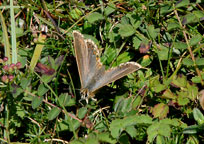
(39,88)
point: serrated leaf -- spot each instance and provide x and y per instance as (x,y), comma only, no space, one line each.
(199,61)
(95,16)
(106,137)
(136,42)
(82,112)
(131,131)
(126,30)
(25,82)
(36,102)
(16,90)
(152,131)
(163,53)
(118,125)
(53,113)
(109,9)
(195,39)
(164,130)
(75,13)
(180,81)
(182,100)
(180,45)
(136,102)
(198,13)
(187,62)
(166,8)
(189,18)
(152,31)
(182,3)
(172,26)
(196,79)
(192,91)
(64,99)
(160,110)
(122,58)
(42,90)
(135,20)
(168,94)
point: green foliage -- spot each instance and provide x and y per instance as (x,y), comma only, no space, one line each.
(40,101)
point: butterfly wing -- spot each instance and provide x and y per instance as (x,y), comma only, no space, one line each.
(88,61)
(114,74)
(81,53)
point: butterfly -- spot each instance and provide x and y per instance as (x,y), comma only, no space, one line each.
(92,72)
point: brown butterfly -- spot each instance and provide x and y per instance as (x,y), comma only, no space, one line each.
(92,72)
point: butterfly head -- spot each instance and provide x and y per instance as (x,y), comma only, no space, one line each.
(86,94)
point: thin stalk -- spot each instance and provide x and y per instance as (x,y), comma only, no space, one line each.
(13,33)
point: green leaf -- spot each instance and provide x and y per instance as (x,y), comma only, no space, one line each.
(106,138)
(156,85)
(124,105)
(36,102)
(160,110)
(182,100)
(192,91)
(198,13)
(109,55)
(187,62)
(122,58)
(196,79)
(164,130)
(135,20)
(163,53)
(64,99)
(16,90)
(198,116)
(136,42)
(126,30)
(152,31)
(136,102)
(199,61)
(95,16)
(75,13)
(42,90)
(173,25)
(118,125)
(182,3)
(180,81)
(25,82)
(152,131)
(160,139)
(189,18)
(53,113)
(195,40)
(180,45)
(131,131)
(109,9)
(82,112)
(166,8)
(168,94)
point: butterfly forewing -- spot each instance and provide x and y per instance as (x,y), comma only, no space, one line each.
(81,52)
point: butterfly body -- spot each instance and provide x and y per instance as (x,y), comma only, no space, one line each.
(92,72)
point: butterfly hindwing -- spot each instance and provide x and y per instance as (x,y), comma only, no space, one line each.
(114,74)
